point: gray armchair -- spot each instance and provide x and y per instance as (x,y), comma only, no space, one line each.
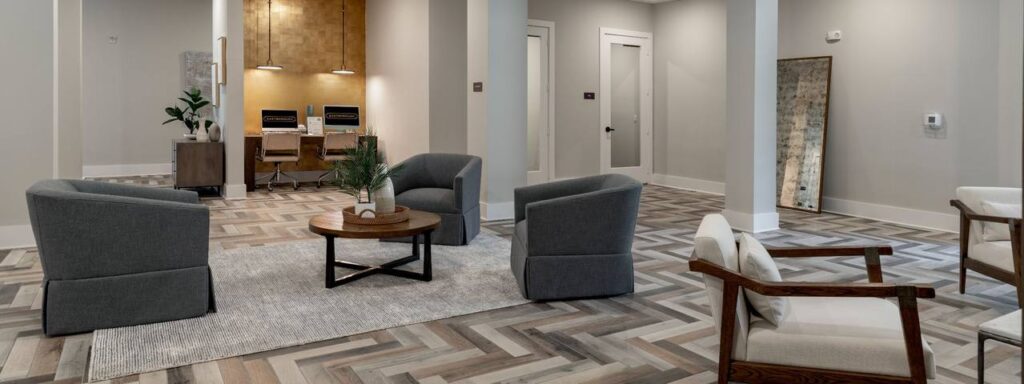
(573,239)
(445,184)
(117,255)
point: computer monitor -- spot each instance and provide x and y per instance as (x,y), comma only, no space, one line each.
(276,120)
(341,117)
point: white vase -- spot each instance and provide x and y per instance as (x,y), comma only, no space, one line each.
(366,210)
(385,198)
(202,135)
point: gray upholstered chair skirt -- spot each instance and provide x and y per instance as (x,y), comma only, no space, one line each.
(573,239)
(117,255)
(445,184)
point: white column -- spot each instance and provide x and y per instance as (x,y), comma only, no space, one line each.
(228,20)
(752,54)
(497,116)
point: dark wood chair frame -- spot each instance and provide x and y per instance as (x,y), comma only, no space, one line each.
(754,373)
(1015,278)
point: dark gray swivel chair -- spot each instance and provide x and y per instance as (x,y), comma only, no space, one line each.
(117,255)
(573,239)
(445,184)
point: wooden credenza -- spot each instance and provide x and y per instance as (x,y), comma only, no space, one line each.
(197,165)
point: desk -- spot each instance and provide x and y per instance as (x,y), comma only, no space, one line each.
(308,159)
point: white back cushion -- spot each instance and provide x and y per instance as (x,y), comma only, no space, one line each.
(716,243)
(757,264)
(973,197)
(997,231)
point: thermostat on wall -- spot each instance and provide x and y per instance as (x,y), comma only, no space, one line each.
(833,36)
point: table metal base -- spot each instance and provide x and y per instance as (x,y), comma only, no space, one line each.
(388,268)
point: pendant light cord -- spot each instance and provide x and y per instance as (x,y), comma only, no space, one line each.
(270,33)
(343,34)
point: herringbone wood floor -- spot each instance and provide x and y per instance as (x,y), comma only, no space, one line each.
(661,334)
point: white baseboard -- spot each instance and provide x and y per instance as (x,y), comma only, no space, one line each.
(117,170)
(497,211)
(235,191)
(689,184)
(16,236)
(753,223)
(904,216)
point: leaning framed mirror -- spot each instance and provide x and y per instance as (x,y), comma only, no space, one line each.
(803,99)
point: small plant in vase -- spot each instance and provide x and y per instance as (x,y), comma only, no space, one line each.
(362,175)
(190,116)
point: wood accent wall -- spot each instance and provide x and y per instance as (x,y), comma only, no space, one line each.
(307,42)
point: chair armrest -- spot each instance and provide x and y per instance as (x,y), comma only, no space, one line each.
(467,186)
(969,214)
(594,223)
(547,191)
(124,190)
(90,235)
(878,290)
(805,252)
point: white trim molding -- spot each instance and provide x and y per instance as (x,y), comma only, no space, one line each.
(897,215)
(118,170)
(497,211)
(689,184)
(16,236)
(753,223)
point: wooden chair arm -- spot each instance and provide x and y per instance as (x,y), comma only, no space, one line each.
(879,290)
(828,251)
(970,215)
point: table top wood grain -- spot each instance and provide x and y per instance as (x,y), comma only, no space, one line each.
(333,224)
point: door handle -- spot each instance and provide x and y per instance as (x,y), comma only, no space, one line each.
(609,129)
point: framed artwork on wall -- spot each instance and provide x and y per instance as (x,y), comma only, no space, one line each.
(215,84)
(804,85)
(223,60)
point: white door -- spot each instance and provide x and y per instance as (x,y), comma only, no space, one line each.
(540,107)
(627,108)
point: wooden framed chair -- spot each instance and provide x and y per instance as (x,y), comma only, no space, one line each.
(832,333)
(990,241)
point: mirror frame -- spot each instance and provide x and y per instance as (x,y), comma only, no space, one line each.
(824,136)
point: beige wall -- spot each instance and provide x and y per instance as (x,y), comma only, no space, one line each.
(127,85)
(689,89)
(448,81)
(897,61)
(27,104)
(577,25)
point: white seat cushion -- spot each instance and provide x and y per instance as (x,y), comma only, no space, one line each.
(995,253)
(998,231)
(716,243)
(848,334)
(757,264)
(1008,326)
(973,197)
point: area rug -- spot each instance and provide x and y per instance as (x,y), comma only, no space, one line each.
(274,297)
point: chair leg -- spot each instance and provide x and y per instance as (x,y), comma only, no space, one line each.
(295,182)
(963,276)
(320,180)
(981,358)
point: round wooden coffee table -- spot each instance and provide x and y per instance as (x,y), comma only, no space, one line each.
(332,225)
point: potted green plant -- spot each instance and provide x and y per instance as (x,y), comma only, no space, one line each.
(361,175)
(190,116)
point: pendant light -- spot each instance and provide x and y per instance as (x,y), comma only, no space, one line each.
(269,65)
(344,69)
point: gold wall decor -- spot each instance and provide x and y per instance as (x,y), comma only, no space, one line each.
(307,43)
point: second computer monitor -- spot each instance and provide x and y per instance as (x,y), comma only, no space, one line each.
(341,117)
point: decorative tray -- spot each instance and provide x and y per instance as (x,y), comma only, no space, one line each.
(401,215)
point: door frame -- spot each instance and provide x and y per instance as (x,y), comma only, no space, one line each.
(550,153)
(645,171)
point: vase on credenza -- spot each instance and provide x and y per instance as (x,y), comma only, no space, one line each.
(385,197)
(214,133)
(202,135)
